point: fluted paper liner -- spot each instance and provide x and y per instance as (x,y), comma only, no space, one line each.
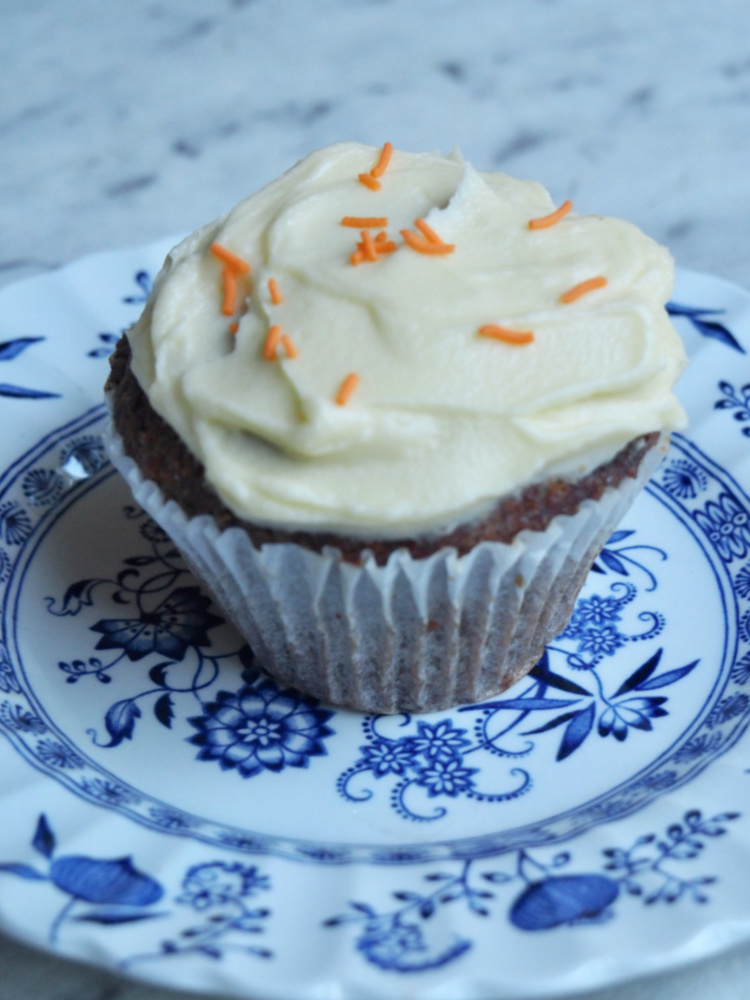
(412,635)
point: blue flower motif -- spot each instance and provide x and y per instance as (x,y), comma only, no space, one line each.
(15,523)
(42,486)
(220,882)
(56,755)
(392,944)
(388,757)
(698,747)
(110,792)
(727,526)
(684,480)
(594,611)
(180,621)
(261,728)
(438,742)
(602,641)
(8,680)
(21,719)
(659,782)
(446,777)
(170,819)
(634,712)
(741,670)
(742,582)
(728,709)
(83,457)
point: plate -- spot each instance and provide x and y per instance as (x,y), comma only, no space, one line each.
(172,814)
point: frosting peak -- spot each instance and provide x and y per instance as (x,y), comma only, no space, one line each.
(442,421)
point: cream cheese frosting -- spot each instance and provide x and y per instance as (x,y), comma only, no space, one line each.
(443,422)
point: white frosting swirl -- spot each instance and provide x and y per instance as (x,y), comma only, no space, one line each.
(443,422)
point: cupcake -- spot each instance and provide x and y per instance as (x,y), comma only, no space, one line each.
(390,408)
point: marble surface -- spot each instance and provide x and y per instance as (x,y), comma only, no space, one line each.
(123,122)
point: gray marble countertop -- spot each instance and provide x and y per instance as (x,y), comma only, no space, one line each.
(124,122)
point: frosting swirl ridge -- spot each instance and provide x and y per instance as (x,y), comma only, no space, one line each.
(443,421)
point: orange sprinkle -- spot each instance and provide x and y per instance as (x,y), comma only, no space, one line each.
(549,220)
(276,296)
(234,327)
(357,257)
(272,342)
(423,246)
(237,264)
(364,222)
(230,291)
(367,246)
(348,386)
(427,232)
(505,335)
(291,350)
(585,286)
(385,158)
(382,235)
(385,246)
(369,182)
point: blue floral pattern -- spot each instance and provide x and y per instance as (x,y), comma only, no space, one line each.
(727,525)
(433,761)
(215,698)
(218,891)
(261,728)
(112,892)
(257,728)
(119,892)
(141,649)
(737,400)
(408,939)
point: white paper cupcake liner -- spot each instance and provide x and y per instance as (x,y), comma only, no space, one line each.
(412,635)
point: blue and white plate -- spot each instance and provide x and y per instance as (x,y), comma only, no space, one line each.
(170,812)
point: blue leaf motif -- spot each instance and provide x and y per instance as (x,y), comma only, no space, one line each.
(708,328)
(110,917)
(10,349)
(529,704)
(577,730)
(640,675)
(143,280)
(19,392)
(670,677)
(613,562)
(163,710)
(24,871)
(553,724)
(44,838)
(120,721)
(76,596)
(619,536)
(542,673)
(717,331)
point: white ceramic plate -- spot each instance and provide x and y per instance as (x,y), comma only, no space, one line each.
(168,812)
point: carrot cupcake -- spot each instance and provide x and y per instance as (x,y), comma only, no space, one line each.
(390,408)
